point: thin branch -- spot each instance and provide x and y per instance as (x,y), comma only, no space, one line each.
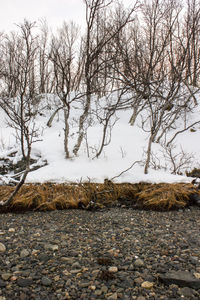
(135,162)
(19,185)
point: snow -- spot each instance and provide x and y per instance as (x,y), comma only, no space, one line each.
(128,144)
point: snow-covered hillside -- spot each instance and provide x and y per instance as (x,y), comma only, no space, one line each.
(128,145)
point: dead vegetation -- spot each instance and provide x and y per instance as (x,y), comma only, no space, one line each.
(51,196)
(167,196)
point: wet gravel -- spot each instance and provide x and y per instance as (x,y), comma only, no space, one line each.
(115,253)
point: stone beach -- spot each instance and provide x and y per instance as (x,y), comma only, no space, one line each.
(115,253)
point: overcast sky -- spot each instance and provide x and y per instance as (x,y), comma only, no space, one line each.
(54,11)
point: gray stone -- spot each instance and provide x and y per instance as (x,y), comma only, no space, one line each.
(104,289)
(84,284)
(194,260)
(6,276)
(139,263)
(181,278)
(24,253)
(68,260)
(46,281)
(23,282)
(51,247)
(186,292)
(43,257)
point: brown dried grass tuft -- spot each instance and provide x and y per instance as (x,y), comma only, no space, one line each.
(51,196)
(166,196)
(45,196)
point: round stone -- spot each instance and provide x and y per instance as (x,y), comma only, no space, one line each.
(2,247)
(46,281)
(139,263)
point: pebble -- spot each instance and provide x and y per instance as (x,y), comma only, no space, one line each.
(2,283)
(197,275)
(147,285)
(186,292)
(24,282)
(76,266)
(98,292)
(24,253)
(6,276)
(139,263)
(112,297)
(69,269)
(51,247)
(46,281)
(2,247)
(127,228)
(113,269)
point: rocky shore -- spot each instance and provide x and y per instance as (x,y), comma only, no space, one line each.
(115,253)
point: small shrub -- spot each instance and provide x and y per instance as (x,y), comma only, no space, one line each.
(194,173)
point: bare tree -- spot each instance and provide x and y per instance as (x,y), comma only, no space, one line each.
(45,70)
(93,51)
(66,72)
(192,41)
(19,89)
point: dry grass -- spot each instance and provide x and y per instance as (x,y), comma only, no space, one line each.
(45,196)
(50,196)
(166,196)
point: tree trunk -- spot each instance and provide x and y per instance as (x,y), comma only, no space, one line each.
(82,120)
(66,132)
(148,155)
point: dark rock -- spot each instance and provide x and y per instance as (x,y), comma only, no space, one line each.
(43,257)
(2,283)
(23,282)
(195,198)
(181,278)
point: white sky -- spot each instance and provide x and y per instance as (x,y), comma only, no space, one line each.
(54,11)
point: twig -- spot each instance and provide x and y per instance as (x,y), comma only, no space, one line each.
(10,199)
(181,131)
(135,162)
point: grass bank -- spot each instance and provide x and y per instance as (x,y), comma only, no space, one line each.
(50,196)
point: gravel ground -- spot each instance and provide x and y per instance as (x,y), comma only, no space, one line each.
(115,253)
